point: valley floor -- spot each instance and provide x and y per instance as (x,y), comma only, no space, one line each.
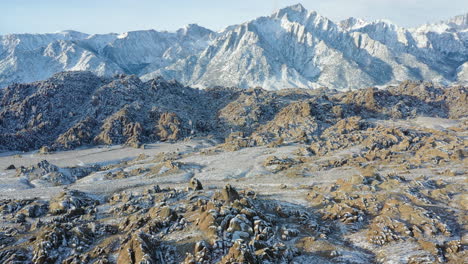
(338,206)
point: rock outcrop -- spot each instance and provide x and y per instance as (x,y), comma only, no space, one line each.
(73,109)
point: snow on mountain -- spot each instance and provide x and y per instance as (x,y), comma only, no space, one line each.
(192,39)
(293,47)
(352,23)
(57,56)
(31,57)
(297,48)
(462,73)
(27,42)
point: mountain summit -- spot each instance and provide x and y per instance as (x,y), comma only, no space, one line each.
(291,48)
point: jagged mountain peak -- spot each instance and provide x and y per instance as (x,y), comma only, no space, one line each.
(74,34)
(356,24)
(461,20)
(386,23)
(140,33)
(192,29)
(28,41)
(294,13)
(456,23)
(296,8)
(293,47)
(298,15)
(352,23)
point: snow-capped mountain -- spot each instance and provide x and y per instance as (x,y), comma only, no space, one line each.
(31,57)
(293,47)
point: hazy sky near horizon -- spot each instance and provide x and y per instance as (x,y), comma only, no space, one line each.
(104,16)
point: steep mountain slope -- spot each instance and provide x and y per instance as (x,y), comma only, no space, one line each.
(291,48)
(41,63)
(31,57)
(134,51)
(297,48)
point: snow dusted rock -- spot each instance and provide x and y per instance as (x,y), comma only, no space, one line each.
(294,122)
(195,185)
(78,135)
(119,129)
(142,248)
(32,57)
(228,194)
(293,47)
(71,200)
(78,108)
(381,201)
(297,48)
(46,174)
(462,73)
(378,176)
(168,127)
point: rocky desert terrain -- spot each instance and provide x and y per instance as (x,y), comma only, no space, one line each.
(116,170)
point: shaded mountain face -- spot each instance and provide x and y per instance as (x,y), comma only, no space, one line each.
(293,47)
(73,109)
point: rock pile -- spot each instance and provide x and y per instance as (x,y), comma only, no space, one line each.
(231,226)
(392,208)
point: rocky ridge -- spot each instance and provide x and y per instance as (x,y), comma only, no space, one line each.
(74,109)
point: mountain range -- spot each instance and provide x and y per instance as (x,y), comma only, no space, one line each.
(292,48)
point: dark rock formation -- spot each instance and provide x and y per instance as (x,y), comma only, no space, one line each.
(73,109)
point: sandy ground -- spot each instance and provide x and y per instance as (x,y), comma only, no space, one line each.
(94,155)
(243,168)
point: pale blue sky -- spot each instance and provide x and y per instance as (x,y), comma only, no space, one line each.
(104,16)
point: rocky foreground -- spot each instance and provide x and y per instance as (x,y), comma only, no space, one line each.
(237,176)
